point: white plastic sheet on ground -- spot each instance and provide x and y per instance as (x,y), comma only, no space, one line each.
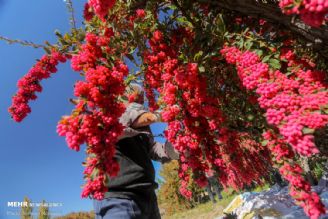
(274,203)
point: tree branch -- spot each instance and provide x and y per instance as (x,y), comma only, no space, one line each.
(317,37)
(21,42)
(69,5)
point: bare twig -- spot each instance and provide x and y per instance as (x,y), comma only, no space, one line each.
(69,5)
(21,42)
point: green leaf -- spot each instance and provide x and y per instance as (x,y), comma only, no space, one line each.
(201,69)
(307,131)
(266,58)
(275,63)
(221,24)
(130,78)
(184,20)
(94,173)
(107,179)
(265,142)
(277,55)
(262,44)
(198,55)
(58,34)
(183,57)
(325,109)
(259,52)
(289,73)
(245,31)
(248,45)
(172,7)
(241,43)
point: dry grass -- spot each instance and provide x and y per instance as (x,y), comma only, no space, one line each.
(209,210)
(205,211)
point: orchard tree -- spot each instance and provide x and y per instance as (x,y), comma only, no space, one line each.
(242,85)
(168,194)
(78,215)
(43,211)
(27,209)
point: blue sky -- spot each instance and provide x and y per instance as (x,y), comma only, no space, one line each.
(35,161)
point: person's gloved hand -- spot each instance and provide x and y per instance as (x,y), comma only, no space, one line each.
(158,114)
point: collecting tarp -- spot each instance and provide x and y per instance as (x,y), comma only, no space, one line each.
(274,203)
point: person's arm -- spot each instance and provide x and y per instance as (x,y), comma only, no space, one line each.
(146,119)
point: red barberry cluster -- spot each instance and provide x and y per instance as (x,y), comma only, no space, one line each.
(195,112)
(140,13)
(293,106)
(154,60)
(241,161)
(95,120)
(194,120)
(30,84)
(300,189)
(312,12)
(91,51)
(101,7)
(87,12)
(289,6)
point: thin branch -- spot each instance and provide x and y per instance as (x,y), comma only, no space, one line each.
(21,42)
(69,5)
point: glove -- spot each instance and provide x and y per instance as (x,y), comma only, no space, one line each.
(158,114)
